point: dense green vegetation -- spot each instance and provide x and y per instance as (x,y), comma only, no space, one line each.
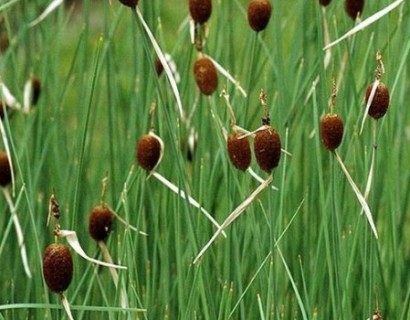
(302,252)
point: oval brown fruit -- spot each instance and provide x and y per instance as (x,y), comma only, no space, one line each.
(200,10)
(259,12)
(354,8)
(267,148)
(206,76)
(381,100)
(148,152)
(100,222)
(129,3)
(36,86)
(331,131)
(5,170)
(325,2)
(57,267)
(239,151)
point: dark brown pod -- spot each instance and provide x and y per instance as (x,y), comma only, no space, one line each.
(267,148)
(129,3)
(5,170)
(206,76)
(57,267)
(4,41)
(149,151)
(325,2)
(354,8)
(331,131)
(381,99)
(36,86)
(259,12)
(239,151)
(100,222)
(200,10)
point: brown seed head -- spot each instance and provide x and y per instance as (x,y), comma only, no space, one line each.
(200,10)
(5,170)
(354,8)
(36,85)
(57,267)
(267,148)
(206,76)
(325,2)
(148,152)
(4,42)
(331,131)
(259,12)
(239,151)
(129,3)
(381,99)
(100,222)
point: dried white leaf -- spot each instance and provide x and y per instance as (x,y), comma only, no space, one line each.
(359,196)
(369,103)
(162,58)
(51,7)
(10,100)
(66,306)
(72,240)
(365,23)
(234,215)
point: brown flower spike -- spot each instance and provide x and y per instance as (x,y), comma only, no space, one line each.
(381,99)
(331,131)
(325,2)
(57,267)
(354,8)
(259,12)
(100,222)
(200,10)
(206,76)
(239,151)
(5,170)
(129,3)
(149,151)
(267,148)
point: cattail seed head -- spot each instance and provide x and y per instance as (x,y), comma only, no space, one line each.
(239,151)
(259,12)
(100,222)
(5,170)
(36,85)
(354,8)
(381,99)
(200,10)
(331,131)
(325,2)
(57,267)
(149,151)
(206,76)
(267,148)
(129,3)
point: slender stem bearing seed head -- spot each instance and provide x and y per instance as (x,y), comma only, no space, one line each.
(267,149)
(100,222)
(239,151)
(331,131)
(259,12)
(206,75)
(381,100)
(5,169)
(200,10)
(57,267)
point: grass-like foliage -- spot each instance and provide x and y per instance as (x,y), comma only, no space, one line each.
(192,236)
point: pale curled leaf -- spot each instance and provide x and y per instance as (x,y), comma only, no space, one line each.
(369,103)
(163,60)
(66,306)
(51,7)
(72,240)
(365,23)
(359,196)
(234,215)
